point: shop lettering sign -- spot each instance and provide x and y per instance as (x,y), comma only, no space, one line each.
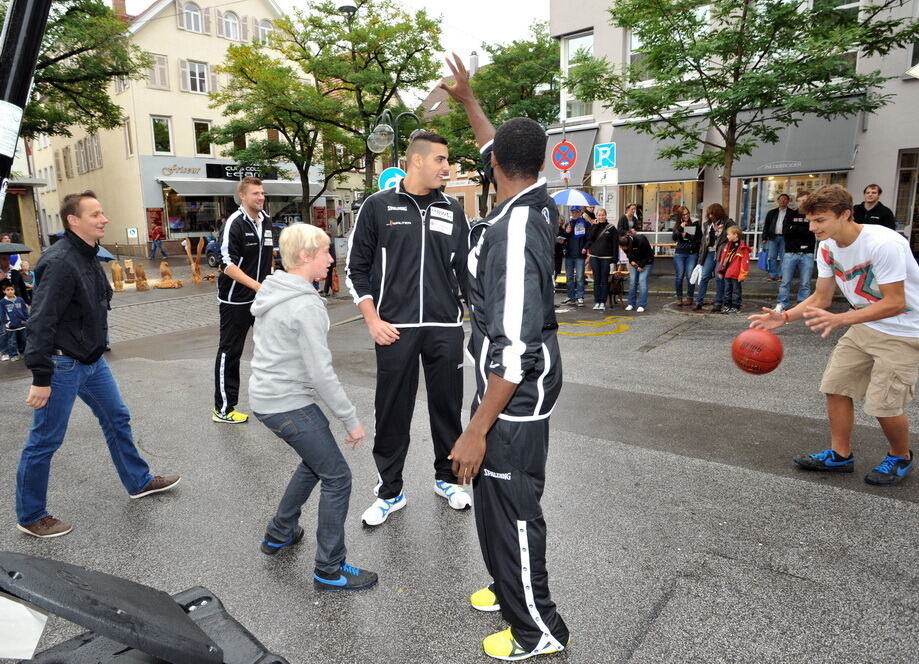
(175,169)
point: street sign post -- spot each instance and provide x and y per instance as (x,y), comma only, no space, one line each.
(604,155)
(564,156)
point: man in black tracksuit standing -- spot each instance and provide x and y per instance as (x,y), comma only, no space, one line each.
(405,270)
(246,249)
(518,379)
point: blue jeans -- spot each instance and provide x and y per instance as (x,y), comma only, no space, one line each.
(776,252)
(95,385)
(804,264)
(708,270)
(12,342)
(307,431)
(683,265)
(638,285)
(156,245)
(600,267)
(733,292)
(574,278)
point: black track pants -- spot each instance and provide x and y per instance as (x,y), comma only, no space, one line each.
(512,531)
(441,352)
(235,321)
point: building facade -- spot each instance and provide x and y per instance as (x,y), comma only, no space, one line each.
(882,148)
(158,166)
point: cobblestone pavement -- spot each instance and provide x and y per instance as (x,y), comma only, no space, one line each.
(144,319)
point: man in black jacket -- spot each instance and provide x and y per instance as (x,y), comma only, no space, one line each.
(405,271)
(246,249)
(67,328)
(518,379)
(872,211)
(774,235)
(800,243)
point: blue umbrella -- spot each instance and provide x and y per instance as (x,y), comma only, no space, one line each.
(574,197)
(103,254)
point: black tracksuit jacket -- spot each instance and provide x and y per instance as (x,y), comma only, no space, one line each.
(70,307)
(408,260)
(241,246)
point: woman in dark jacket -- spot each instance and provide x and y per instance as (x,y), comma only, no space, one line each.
(686,253)
(630,221)
(602,246)
(640,254)
(713,238)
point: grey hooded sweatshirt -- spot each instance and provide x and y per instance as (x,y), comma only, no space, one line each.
(292,363)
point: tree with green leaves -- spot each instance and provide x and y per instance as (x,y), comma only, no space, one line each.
(267,96)
(84,48)
(743,69)
(364,60)
(520,81)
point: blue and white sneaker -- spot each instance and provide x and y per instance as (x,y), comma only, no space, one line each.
(827,460)
(456,495)
(271,546)
(381,509)
(346,577)
(892,470)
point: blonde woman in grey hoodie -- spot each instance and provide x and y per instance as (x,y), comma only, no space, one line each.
(291,366)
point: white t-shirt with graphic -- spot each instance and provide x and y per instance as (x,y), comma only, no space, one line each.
(878,256)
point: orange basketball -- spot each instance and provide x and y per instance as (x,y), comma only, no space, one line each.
(757,351)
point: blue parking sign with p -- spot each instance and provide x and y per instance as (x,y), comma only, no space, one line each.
(605,155)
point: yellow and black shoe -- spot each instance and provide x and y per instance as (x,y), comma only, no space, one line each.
(504,646)
(233,417)
(484,600)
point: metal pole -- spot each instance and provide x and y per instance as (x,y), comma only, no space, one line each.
(20,44)
(395,144)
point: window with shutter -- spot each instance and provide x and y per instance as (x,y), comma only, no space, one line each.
(244,24)
(81,158)
(68,164)
(192,17)
(57,166)
(206,20)
(231,26)
(180,14)
(219,15)
(197,77)
(183,75)
(158,76)
(212,79)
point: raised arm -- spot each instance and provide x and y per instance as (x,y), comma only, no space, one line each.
(461,92)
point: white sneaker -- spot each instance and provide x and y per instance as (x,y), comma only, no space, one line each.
(640,309)
(601,307)
(629,308)
(596,306)
(455,494)
(4,357)
(779,308)
(381,509)
(580,300)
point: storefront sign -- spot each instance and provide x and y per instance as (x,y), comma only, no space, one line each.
(175,169)
(233,171)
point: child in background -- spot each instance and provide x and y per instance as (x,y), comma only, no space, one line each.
(14,313)
(28,277)
(734,266)
(292,370)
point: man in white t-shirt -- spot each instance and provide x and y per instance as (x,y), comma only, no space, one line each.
(877,359)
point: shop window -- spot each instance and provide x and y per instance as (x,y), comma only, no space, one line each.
(202,145)
(573,48)
(162,134)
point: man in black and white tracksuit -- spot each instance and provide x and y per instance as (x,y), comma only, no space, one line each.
(405,270)
(246,249)
(518,378)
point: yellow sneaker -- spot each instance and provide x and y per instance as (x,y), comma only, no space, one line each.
(484,600)
(502,645)
(233,417)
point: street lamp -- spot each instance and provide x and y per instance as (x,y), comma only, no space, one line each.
(347,7)
(386,133)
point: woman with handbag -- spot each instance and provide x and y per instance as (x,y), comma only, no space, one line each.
(688,238)
(602,245)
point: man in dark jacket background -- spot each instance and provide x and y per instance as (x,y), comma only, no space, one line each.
(67,329)
(872,211)
(774,235)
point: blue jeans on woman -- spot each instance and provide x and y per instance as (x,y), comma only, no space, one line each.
(600,267)
(683,265)
(708,270)
(638,285)
(574,278)
(307,431)
(96,386)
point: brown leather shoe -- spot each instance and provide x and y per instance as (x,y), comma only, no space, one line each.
(46,527)
(158,484)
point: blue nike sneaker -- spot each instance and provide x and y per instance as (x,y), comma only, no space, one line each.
(827,460)
(346,577)
(271,546)
(892,470)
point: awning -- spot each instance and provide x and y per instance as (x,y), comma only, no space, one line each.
(583,141)
(218,187)
(636,157)
(814,146)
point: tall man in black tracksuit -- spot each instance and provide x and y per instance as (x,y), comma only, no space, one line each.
(518,379)
(405,270)
(246,250)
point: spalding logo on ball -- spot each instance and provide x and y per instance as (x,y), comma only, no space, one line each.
(757,351)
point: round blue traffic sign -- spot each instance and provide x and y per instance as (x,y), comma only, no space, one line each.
(390,177)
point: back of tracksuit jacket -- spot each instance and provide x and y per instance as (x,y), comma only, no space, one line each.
(511,298)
